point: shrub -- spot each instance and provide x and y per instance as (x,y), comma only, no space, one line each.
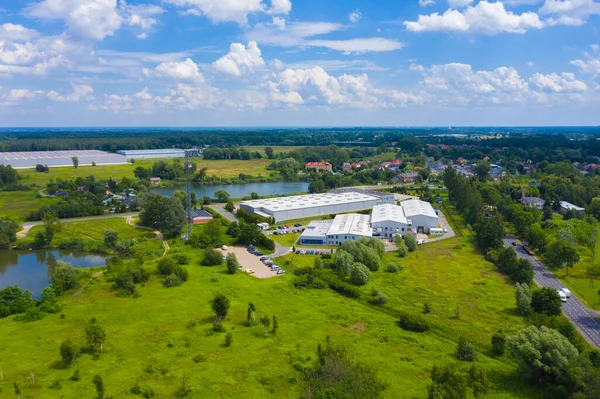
(65,276)
(181,272)
(172,281)
(212,257)
(341,287)
(360,274)
(378,298)
(181,259)
(393,267)
(498,342)
(465,351)
(30,315)
(413,322)
(228,339)
(427,308)
(68,352)
(165,266)
(411,242)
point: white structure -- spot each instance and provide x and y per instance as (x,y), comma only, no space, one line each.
(304,206)
(29,159)
(388,220)
(533,202)
(164,153)
(567,206)
(420,215)
(350,226)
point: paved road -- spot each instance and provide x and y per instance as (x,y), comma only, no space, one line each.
(582,318)
(221,209)
(444,225)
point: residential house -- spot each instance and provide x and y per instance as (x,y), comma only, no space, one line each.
(408,177)
(198,216)
(326,166)
(347,167)
(567,206)
(393,165)
(533,202)
(155,180)
(462,161)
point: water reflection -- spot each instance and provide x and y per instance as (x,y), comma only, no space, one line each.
(32,270)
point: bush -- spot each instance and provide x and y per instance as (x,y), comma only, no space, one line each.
(212,257)
(360,274)
(393,267)
(68,352)
(165,266)
(30,315)
(411,242)
(465,351)
(341,287)
(65,276)
(181,259)
(172,281)
(498,342)
(427,308)
(228,339)
(413,322)
(181,272)
(378,298)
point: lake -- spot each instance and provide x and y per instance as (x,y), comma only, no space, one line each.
(241,190)
(31,270)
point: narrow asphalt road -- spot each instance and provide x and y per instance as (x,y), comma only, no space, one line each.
(582,318)
(221,209)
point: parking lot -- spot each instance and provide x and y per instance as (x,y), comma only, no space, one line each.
(249,261)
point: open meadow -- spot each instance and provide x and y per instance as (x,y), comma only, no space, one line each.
(163,338)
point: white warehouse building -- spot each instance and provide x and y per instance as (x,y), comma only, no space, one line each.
(388,220)
(305,206)
(351,226)
(420,215)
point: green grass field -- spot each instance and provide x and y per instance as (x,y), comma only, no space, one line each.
(17,205)
(277,149)
(286,240)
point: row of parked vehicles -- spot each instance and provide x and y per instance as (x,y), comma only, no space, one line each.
(310,252)
(285,229)
(272,265)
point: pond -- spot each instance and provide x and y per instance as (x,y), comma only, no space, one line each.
(241,190)
(32,270)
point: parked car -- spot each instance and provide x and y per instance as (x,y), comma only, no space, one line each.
(561,294)
(280,271)
(286,226)
(297,225)
(264,258)
(445,230)
(302,251)
(297,252)
(566,292)
(258,253)
(249,271)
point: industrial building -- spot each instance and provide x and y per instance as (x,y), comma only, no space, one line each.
(29,159)
(305,206)
(386,220)
(352,226)
(164,153)
(420,215)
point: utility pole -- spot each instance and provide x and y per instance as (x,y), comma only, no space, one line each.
(188,196)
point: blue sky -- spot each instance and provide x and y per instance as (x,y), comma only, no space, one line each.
(299,62)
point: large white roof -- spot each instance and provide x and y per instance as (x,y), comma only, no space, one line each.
(417,208)
(351,223)
(308,201)
(317,228)
(388,212)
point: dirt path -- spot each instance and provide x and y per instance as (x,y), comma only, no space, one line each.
(94,276)
(159,235)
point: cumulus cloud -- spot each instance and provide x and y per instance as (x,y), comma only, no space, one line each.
(240,60)
(570,12)
(485,17)
(591,66)
(224,10)
(315,86)
(426,3)
(459,3)
(78,93)
(141,17)
(555,83)
(355,16)
(17,33)
(186,70)
(280,7)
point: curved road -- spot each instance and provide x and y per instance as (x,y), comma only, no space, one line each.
(583,319)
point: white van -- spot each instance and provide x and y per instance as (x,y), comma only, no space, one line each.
(224,248)
(566,292)
(563,297)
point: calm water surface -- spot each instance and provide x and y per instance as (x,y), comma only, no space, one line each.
(32,270)
(241,190)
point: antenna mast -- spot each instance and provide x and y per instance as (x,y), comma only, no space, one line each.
(188,197)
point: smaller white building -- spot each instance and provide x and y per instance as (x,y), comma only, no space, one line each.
(420,215)
(567,206)
(351,226)
(388,220)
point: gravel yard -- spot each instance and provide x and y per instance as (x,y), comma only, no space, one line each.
(249,261)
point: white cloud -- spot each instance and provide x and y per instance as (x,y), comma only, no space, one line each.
(79,93)
(222,10)
(17,33)
(93,19)
(357,46)
(141,17)
(316,87)
(299,34)
(20,95)
(570,12)
(591,66)
(595,47)
(355,16)
(240,60)
(554,83)
(485,17)
(279,22)
(426,3)
(280,7)
(186,70)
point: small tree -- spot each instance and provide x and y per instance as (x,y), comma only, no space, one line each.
(68,352)
(232,263)
(546,301)
(360,274)
(65,276)
(75,162)
(229,206)
(99,384)
(222,195)
(498,342)
(402,248)
(523,297)
(411,242)
(465,351)
(266,322)
(250,319)
(111,238)
(94,336)
(275,325)
(220,305)
(228,339)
